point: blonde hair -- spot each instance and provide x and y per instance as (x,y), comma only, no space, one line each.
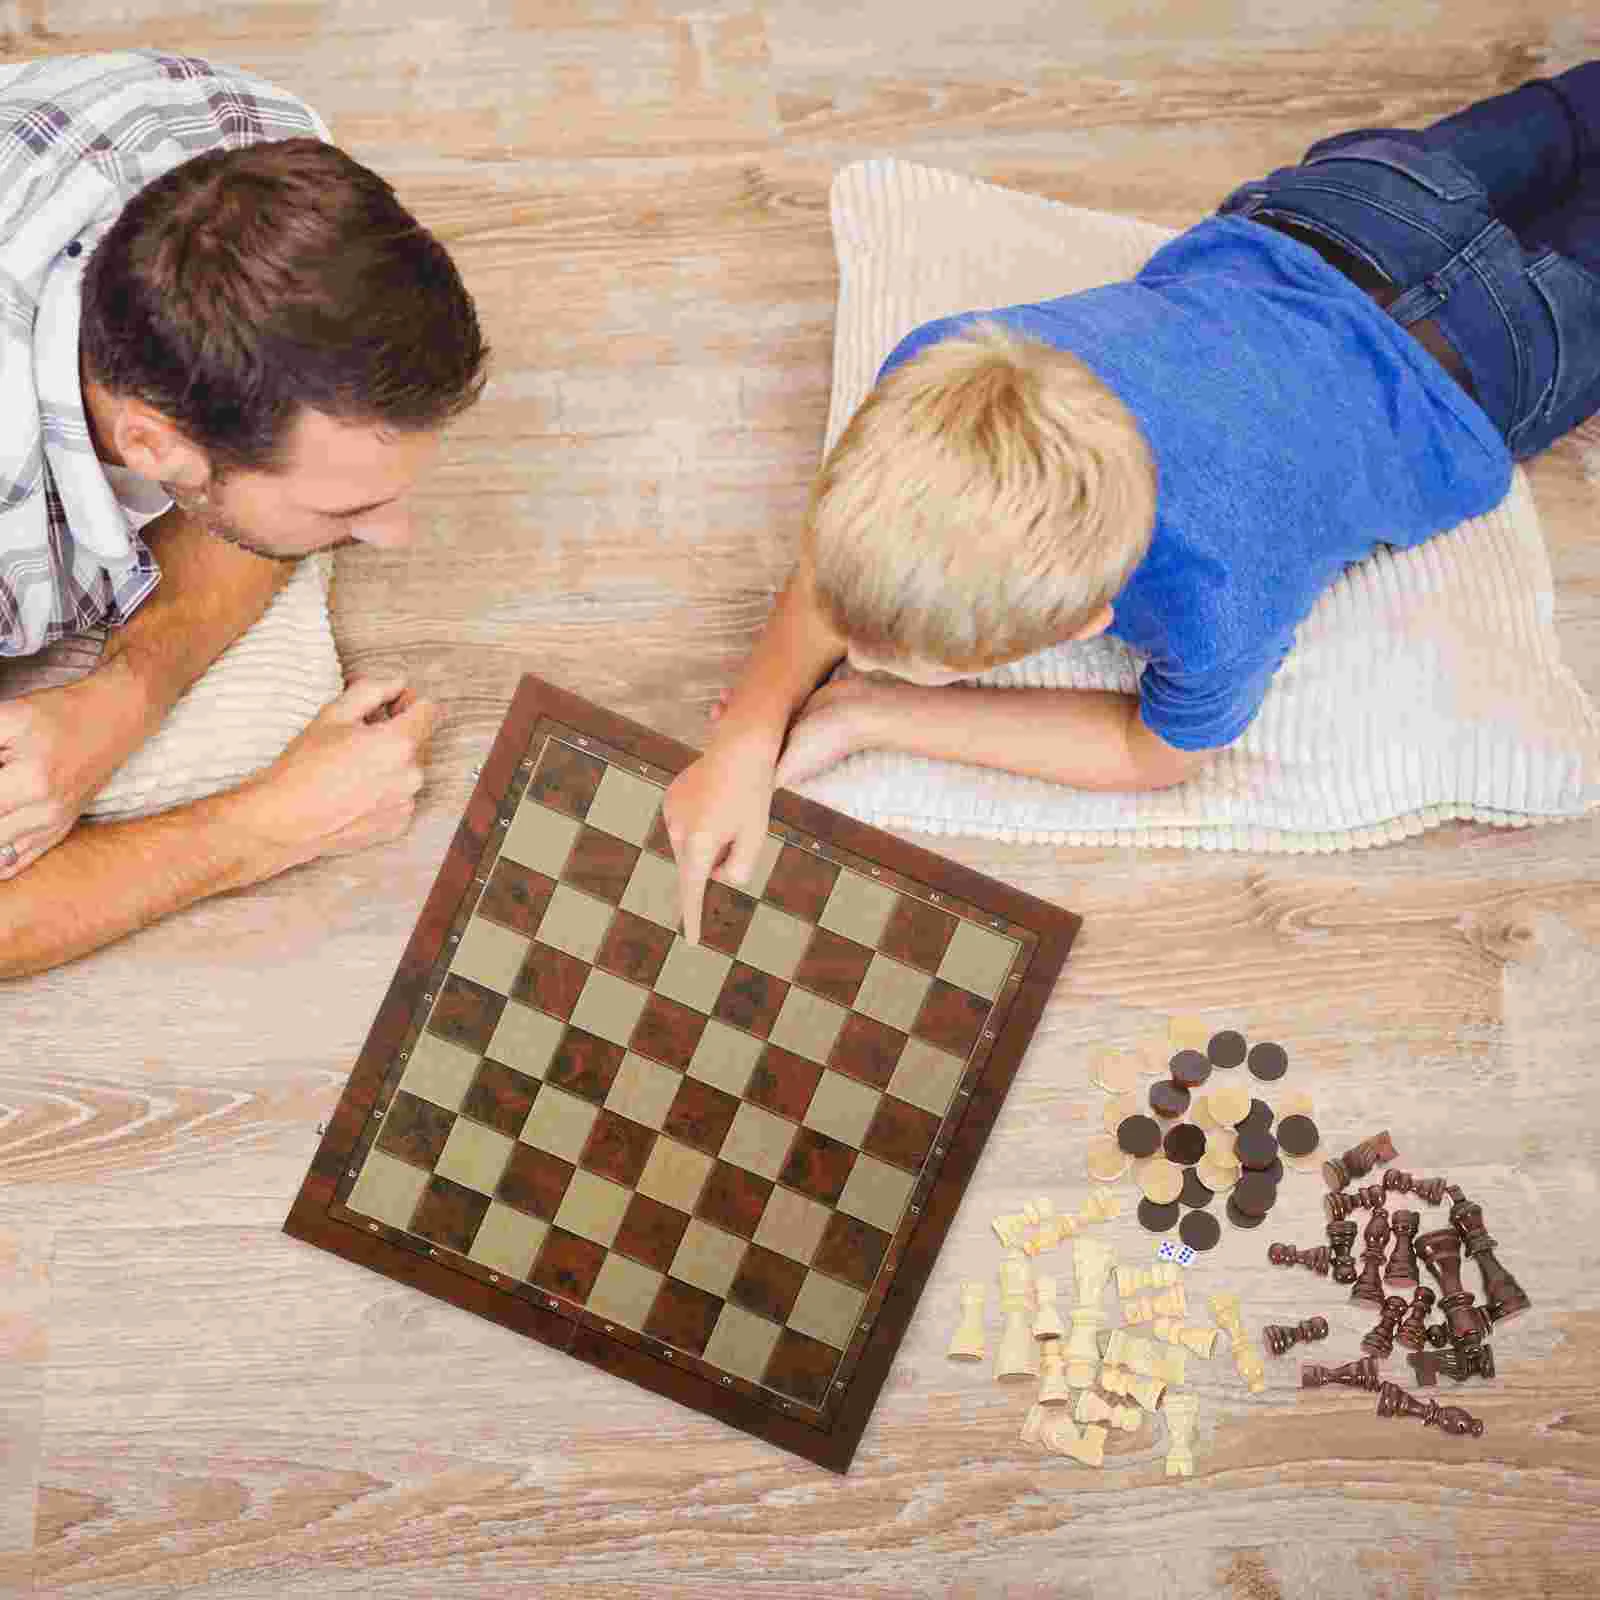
(990,496)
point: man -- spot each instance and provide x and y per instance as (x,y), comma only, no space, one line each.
(223,345)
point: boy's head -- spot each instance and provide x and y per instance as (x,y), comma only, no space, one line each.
(990,498)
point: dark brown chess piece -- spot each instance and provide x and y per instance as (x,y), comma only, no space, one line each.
(1460,1362)
(1340,1206)
(1436,1335)
(1441,1251)
(1401,1273)
(1280,1338)
(1359,1374)
(1428,1190)
(1374,1241)
(1286,1255)
(1359,1160)
(1341,1246)
(1412,1332)
(1379,1343)
(1393,1401)
(1503,1296)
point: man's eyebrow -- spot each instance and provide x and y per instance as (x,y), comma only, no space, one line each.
(354,511)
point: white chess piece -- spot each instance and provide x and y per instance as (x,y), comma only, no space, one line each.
(1018,1354)
(1183,1420)
(1094,1408)
(1046,1318)
(1091,1265)
(967,1343)
(1053,1374)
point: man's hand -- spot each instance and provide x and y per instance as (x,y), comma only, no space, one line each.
(837,721)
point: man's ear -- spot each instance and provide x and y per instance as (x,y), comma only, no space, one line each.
(152,445)
(1096,625)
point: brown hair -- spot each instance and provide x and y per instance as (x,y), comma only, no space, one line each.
(245,285)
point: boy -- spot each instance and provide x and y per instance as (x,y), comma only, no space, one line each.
(1352,352)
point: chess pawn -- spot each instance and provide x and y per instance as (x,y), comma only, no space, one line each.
(1401,1273)
(1341,1251)
(1440,1250)
(1286,1255)
(1183,1421)
(1053,1386)
(1046,1318)
(1361,1374)
(1356,1162)
(1428,1190)
(1018,1354)
(1503,1297)
(1459,1363)
(1374,1241)
(967,1342)
(1412,1332)
(1393,1401)
(1340,1206)
(1200,1340)
(1280,1339)
(1380,1341)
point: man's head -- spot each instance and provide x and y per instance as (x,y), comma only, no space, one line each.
(990,498)
(273,335)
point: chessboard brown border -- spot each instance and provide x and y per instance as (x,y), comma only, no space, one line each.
(309,1218)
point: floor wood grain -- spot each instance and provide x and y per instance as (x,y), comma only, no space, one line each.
(190,1404)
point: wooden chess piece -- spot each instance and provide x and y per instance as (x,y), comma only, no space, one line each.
(1046,1318)
(1503,1296)
(1440,1250)
(1183,1421)
(1017,1355)
(1140,1356)
(1246,1361)
(1460,1362)
(1393,1401)
(1380,1341)
(1146,1392)
(1280,1338)
(1286,1255)
(967,1342)
(1374,1241)
(1138,1280)
(1401,1273)
(1091,1266)
(1359,1160)
(1053,1374)
(1412,1332)
(1428,1190)
(1359,1374)
(1200,1340)
(1436,1335)
(1341,1249)
(1095,1408)
(1340,1206)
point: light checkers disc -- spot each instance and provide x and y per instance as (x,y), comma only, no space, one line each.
(1229,1104)
(1106,1161)
(1215,1176)
(1116,1071)
(1160,1180)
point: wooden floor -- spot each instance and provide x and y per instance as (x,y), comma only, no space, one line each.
(191,1404)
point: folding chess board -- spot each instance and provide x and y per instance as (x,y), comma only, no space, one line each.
(722,1171)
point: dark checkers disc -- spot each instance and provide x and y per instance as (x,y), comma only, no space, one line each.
(1240,1219)
(1269,1061)
(1158,1219)
(1139,1135)
(1226,1048)
(1257,1119)
(1255,1150)
(1194,1192)
(1298,1135)
(1274,1173)
(1168,1099)
(1200,1230)
(1253,1194)
(1185,1144)
(1189,1068)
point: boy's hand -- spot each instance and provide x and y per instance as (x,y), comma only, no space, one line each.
(837,721)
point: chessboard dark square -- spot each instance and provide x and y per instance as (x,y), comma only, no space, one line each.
(818,1166)
(901,1133)
(917,934)
(415,1130)
(449,1214)
(568,1265)
(725,917)
(657,841)
(783,1082)
(683,1316)
(767,1284)
(600,864)
(585,1064)
(701,1115)
(501,1096)
(951,1018)
(566,779)
(800,883)
(516,896)
(535,1181)
(617,1148)
(867,1050)
(750,999)
(801,1367)
(1185,1144)
(667,1031)
(466,1013)
(851,1249)
(550,980)
(734,1199)
(1225,1048)
(651,1232)
(633,948)
(833,966)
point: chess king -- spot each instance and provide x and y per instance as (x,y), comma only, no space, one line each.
(229,345)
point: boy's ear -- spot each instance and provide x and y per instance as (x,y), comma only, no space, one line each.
(1096,625)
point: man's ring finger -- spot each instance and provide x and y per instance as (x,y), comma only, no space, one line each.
(8,857)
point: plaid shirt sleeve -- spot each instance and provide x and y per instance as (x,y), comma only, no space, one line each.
(79,136)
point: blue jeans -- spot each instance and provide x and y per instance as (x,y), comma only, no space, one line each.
(1489,224)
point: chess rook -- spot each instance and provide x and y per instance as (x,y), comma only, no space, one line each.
(1412,1332)
(1374,1241)
(1458,1363)
(1503,1297)
(1393,1401)
(1379,1342)
(1430,1191)
(1440,1251)
(1344,1204)
(1361,1374)
(1281,1338)
(1341,1247)
(1401,1273)
(1359,1160)
(1286,1255)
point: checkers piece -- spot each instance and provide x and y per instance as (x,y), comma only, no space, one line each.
(1116,1071)
(1106,1161)
(1168,1099)
(1254,1194)
(1225,1049)
(1240,1219)
(1184,1144)
(1200,1230)
(1158,1218)
(1229,1105)
(1268,1061)
(1274,1173)
(1214,1175)
(1298,1135)
(1195,1193)
(1189,1068)
(1255,1150)
(1188,1033)
(1258,1119)
(1139,1135)
(1160,1180)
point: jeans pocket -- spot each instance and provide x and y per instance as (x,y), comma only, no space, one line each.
(1441,175)
(1571,295)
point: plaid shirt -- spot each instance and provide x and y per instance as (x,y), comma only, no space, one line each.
(79,137)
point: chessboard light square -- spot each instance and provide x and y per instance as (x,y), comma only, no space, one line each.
(652,891)
(977,960)
(593,1207)
(624,805)
(559,1124)
(742,1343)
(842,1108)
(387,1190)
(674,1174)
(642,1091)
(827,1310)
(766,859)
(893,992)
(858,908)
(708,1258)
(507,1241)
(693,975)
(440,1071)
(574,922)
(725,1057)
(490,955)
(540,838)
(808,1025)
(793,1225)
(775,942)
(877,1193)
(758,1141)
(609,1007)
(926,1076)
(474,1156)
(624,1292)
(525,1039)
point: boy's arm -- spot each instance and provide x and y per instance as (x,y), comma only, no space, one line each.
(720,805)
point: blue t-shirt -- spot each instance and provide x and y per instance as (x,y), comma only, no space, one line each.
(1294,428)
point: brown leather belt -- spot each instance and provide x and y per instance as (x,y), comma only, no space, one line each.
(1371,282)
